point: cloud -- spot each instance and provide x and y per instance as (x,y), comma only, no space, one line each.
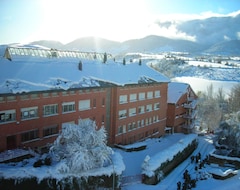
(206,27)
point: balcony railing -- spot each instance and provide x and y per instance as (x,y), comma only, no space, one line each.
(191,105)
(191,115)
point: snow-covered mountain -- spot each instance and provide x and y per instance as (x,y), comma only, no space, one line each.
(215,35)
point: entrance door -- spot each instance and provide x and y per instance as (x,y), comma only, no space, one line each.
(11,142)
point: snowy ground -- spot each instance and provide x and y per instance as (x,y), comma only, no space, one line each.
(134,160)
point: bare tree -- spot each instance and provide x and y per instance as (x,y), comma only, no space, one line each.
(234,99)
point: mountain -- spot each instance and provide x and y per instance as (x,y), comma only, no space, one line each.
(48,43)
(231,47)
(93,44)
(160,44)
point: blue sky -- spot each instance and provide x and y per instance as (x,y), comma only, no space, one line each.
(23,21)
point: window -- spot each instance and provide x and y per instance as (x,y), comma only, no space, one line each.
(54,94)
(122,99)
(84,105)
(68,107)
(132,111)
(7,116)
(142,96)
(139,123)
(133,97)
(50,109)
(146,121)
(46,95)
(103,119)
(64,93)
(103,101)
(24,97)
(1,99)
(129,126)
(34,96)
(149,95)
(30,135)
(157,94)
(27,113)
(142,123)
(48,131)
(122,114)
(11,98)
(134,125)
(157,106)
(94,103)
(149,107)
(120,129)
(141,109)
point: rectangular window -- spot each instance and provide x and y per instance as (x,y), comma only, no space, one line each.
(149,107)
(122,114)
(68,107)
(1,99)
(133,97)
(141,109)
(124,128)
(139,123)
(34,96)
(120,129)
(129,126)
(146,121)
(48,131)
(64,93)
(7,116)
(134,125)
(141,96)
(50,109)
(142,123)
(122,99)
(28,113)
(11,98)
(149,95)
(103,101)
(30,135)
(157,93)
(84,105)
(24,97)
(132,111)
(94,103)
(157,106)
(46,95)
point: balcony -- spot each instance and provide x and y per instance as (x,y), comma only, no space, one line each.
(191,115)
(191,105)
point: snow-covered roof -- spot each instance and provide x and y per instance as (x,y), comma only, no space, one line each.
(175,91)
(26,73)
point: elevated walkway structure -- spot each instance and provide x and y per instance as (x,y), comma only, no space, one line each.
(33,51)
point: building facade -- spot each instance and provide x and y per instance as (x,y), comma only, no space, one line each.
(181,109)
(35,119)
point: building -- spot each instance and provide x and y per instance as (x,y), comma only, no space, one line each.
(181,109)
(43,89)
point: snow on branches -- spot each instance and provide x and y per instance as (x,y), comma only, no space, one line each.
(82,147)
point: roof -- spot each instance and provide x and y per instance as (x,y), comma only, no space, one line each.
(175,91)
(26,73)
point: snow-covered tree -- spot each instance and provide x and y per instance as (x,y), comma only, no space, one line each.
(81,147)
(234,98)
(230,134)
(209,112)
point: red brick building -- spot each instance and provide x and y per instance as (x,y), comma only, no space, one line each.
(181,109)
(43,89)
